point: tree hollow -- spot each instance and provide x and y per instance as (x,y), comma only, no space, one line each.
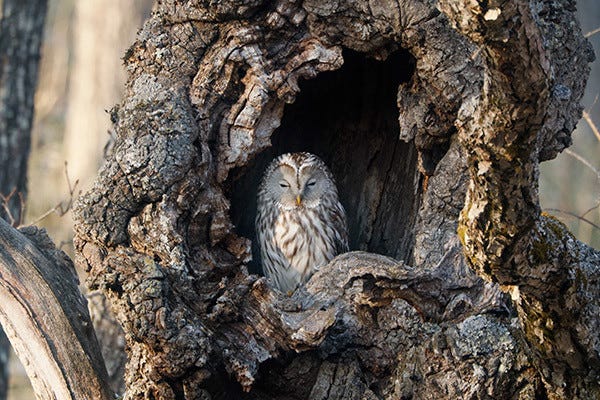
(349,118)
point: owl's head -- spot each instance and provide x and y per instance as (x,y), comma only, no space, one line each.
(297,180)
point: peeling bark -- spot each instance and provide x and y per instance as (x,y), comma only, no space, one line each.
(165,233)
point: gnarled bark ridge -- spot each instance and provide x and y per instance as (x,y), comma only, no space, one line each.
(485,93)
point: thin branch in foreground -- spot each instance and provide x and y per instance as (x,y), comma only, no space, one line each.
(46,319)
(591,123)
(61,209)
(584,162)
(574,216)
(592,33)
(590,210)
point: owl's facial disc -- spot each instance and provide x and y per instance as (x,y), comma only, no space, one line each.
(312,184)
(284,186)
(291,188)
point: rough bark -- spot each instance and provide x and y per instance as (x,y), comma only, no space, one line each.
(165,232)
(46,318)
(507,130)
(21,29)
(111,339)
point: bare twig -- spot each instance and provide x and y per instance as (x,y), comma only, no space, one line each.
(591,123)
(7,209)
(584,162)
(61,208)
(590,210)
(592,33)
(5,206)
(595,170)
(574,216)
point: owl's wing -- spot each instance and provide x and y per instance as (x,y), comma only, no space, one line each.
(340,227)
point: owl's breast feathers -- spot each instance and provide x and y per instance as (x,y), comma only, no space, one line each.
(307,241)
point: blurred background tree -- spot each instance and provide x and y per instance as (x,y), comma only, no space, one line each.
(82,77)
(21,33)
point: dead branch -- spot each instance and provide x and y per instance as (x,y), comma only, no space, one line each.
(64,206)
(45,318)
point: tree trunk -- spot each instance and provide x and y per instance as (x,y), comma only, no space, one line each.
(481,95)
(21,29)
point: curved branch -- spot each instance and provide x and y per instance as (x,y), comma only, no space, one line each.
(46,318)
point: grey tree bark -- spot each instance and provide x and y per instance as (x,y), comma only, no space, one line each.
(21,30)
(422,109)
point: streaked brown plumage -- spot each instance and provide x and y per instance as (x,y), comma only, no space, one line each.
(300,224)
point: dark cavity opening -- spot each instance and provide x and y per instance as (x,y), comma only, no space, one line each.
(349,118)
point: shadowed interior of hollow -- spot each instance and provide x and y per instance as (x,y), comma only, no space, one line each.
(349,118)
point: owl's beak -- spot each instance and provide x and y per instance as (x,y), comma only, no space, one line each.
(298,200)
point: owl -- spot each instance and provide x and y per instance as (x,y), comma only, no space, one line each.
(300,223)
